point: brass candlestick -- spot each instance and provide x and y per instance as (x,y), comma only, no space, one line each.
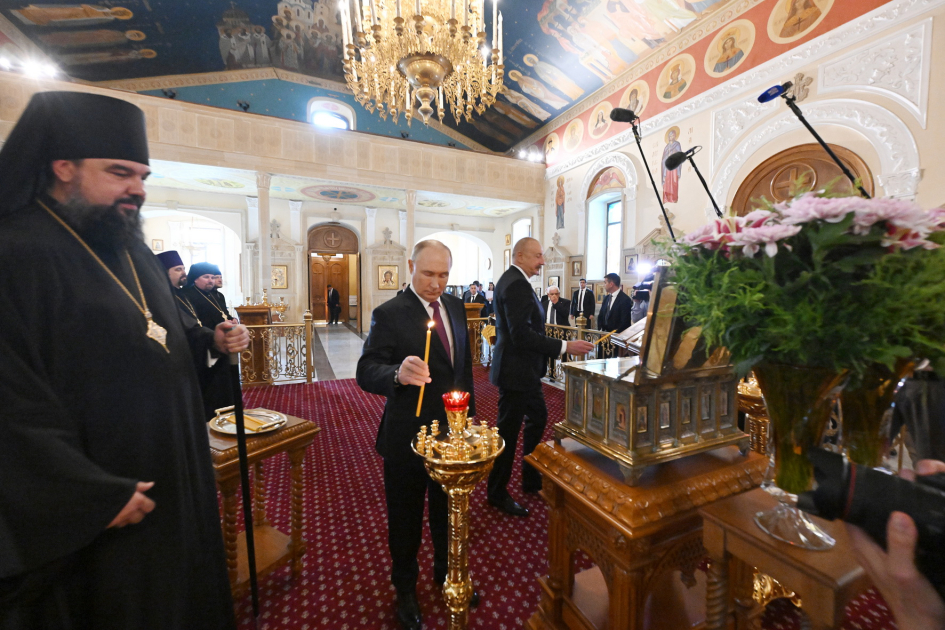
(458,462)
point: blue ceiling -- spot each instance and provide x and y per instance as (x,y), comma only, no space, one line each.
(557,51)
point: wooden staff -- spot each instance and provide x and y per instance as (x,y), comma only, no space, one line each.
(426,359)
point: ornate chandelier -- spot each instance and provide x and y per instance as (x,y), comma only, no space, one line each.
(433,57)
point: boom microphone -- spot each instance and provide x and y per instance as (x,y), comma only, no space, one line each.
(673,162)
(774,92)
(619,114)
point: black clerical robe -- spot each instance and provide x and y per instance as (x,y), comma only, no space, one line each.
(91,406)
(215,381)
(208,309)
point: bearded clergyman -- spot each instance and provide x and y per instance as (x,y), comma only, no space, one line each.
(108,510)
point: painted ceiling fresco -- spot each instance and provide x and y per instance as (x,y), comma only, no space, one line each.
(558,51)
(198,178)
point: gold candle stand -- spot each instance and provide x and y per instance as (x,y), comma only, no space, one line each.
(458,461)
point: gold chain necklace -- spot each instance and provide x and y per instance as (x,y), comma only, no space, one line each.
(189,307)
(156,332)
(213,302)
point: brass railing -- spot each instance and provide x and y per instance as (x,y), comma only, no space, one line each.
(604,349)
(278,353)
(480,347)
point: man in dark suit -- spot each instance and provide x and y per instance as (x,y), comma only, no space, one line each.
(333,299)
(474,296)
(616,311)
(559,309)
(391,365)
(582,302)
(402,287)
(521,354)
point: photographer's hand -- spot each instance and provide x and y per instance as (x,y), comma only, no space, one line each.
(911,598)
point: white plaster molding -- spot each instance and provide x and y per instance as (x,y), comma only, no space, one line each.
(618,160)
(897,67)
(869,25)
(729,123)
(889,135)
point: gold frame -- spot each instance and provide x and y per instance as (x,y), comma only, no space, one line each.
(554,281)
(275,279)
(508,240)
(157,244)
(575,267)
(507,258)
(395,279)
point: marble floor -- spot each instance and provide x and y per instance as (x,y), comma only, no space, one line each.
(336,352)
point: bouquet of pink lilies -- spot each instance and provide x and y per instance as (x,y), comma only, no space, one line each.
(836,282)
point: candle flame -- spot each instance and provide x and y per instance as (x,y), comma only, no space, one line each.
(431,324)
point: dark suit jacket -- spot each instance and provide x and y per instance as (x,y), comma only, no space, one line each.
(399,330)
(479,299)
(587,308)
(521,349)
(333,298)
(618,317)
(562,310)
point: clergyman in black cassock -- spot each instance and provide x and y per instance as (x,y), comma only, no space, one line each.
(200,290)
(92,405)
(519,361)
(396,340)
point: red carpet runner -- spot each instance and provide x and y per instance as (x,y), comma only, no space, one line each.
(345,582)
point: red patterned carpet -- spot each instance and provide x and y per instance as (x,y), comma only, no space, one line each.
(345,581)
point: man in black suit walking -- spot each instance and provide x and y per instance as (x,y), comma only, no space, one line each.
(333,299)
(558,312)
(391,366)
(521,354)
(616,311)
(582,303)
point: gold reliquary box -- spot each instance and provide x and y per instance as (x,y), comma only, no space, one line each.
(670,401)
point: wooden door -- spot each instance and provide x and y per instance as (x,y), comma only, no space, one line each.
(335,273)
(807,166)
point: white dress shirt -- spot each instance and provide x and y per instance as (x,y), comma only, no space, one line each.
(580,300)
(564,344)
(446,322)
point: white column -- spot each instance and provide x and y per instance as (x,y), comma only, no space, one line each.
(250,281)
(301,282)
(265,254)
(295,221)
(370,226)
(411,220)
(402,215)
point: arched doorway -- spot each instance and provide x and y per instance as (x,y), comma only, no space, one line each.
(805,167)
(333,259)
(472,260)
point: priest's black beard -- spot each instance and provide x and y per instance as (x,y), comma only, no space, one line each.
(104,227)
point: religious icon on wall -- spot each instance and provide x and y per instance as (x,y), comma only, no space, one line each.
(70,14)
(559,204)
(573,134)
(387,277)
(576,268)
(729,48)
(675,78)
(552,76)
(609,178)
(600,119)
(539,90)
(671,178)
(508,239)
(620,423)
(106,56)
(636,97)
(791,20)
(642,420)
(157,244)
(554,281)
(630,264)
(280,276)
(600,292)
(551,146)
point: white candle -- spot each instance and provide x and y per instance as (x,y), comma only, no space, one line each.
(373,13)
(419,9)
(495,20)
(358,15)
(501,38)
(441,98)
(398,8)
(453,10)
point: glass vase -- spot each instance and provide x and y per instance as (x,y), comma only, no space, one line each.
(864,406)
(798,399)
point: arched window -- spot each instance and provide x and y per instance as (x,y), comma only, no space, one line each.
(329,113)
(521,229)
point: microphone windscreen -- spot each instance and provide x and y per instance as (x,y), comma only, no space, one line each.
(619,114)
(673,161)
(774,92)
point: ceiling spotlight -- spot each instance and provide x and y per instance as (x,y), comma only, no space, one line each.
(243,105)
(49,70)
(404,135)
(171,94)
(33,69)
(5,63)
(644,269)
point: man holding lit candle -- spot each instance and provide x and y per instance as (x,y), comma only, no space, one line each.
(392,365)
(521,355)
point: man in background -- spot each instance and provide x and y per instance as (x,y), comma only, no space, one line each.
(556,309)
(582,303)
(109,507)
(391,366)
(473,296)
(200,291)
(401,289)
(176,272)
(521,355)
(333,299)
(615,310)
(218,294)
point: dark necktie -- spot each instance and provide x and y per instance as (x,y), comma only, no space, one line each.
(605,310)
(441,329)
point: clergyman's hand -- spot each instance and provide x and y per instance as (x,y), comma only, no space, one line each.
(137,507)
(229,337)
(913,601)
(413,371)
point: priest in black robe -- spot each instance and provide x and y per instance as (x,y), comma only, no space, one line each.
(201,291)
(212,367)
(108,510)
